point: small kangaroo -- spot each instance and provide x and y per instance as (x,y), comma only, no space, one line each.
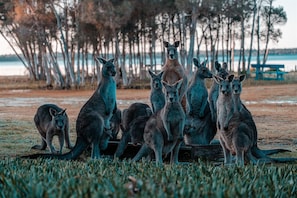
(51,120)
(174,71)
(197,93)
(93,121)
(133,121)
(155,131)
(214,89)
(157,97)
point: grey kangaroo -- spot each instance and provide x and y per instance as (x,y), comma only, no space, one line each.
(51,120)
(199,131)
(174,71)
(222,72)
(155,134)
(157,97)
(115,123)
(133,121)
(197,93)
(240,107)
(93,121)
(239,135)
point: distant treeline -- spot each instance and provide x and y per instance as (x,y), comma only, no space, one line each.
(133,33)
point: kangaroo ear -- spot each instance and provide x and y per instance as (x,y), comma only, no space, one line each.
(101,60)
(52,112)
(230,78)
(242,77)
(165,44)
(63,112)
(151,73)
(217,65)
(176,43)
(165,84)
(178,84)
(204,63)
(196,62)
(217,79)
(161,74)
(111,60)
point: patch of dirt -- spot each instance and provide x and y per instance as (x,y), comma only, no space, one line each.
(275,120)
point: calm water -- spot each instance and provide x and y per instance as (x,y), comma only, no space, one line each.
(290,61)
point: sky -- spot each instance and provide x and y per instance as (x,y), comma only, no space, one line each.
(289,30)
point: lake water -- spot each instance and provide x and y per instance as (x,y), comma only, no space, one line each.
(8,68)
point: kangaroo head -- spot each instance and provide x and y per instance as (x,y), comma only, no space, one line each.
(221,70)
(237,84)
(172,91)
(156,80)
(171,50)
(58,118)
(202,71)
(224,84)
(108,67)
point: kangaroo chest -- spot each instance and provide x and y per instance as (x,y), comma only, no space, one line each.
(108,94)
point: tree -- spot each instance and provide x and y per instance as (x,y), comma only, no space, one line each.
(272,16)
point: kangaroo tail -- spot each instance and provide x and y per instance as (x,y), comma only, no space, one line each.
(274,151)
(75,152)
(284,160)
(261,155)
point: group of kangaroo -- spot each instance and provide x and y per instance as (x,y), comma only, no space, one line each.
(182,111)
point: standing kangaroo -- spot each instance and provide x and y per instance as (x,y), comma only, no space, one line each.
(214,89)
(225,107)
(240,107)
(171,117)
(197,93)
(93,121)
(237,133)
(157,97)
(51,120)
(174,71)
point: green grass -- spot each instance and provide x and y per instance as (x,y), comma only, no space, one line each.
(108,178)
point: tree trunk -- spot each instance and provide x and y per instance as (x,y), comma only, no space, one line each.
(252,37)
(122,66)
(268,33)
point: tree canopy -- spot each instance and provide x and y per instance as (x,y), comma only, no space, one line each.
(58,40)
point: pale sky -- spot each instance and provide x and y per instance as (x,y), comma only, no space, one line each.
(289,30)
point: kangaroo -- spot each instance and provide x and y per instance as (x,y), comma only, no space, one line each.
(197,93)
(240,107)
(93,121)
(115,123)
(214,89)
(237,132)
(174,71)
(225,108)
(133,122)
(157,97)
(155,131)
(51,120)
(199,131)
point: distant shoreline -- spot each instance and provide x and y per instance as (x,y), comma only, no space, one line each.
(281,51)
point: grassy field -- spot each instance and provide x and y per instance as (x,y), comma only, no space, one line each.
(110,178)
